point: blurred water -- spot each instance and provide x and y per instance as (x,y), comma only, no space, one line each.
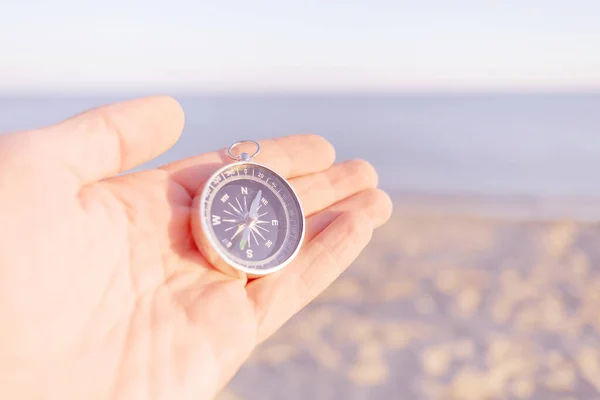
(542,144)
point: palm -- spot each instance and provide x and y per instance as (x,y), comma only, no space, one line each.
(104,291)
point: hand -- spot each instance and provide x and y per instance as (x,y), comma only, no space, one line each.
(103,292)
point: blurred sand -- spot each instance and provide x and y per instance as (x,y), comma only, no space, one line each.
(443,305)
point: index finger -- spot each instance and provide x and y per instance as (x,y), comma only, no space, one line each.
(289,156)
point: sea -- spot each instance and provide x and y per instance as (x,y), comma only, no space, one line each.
(498,145)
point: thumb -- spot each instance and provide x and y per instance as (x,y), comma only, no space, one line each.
(110,139)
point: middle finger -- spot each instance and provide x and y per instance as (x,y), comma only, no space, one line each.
(320,190)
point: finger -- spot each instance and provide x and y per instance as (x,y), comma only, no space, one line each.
(289,156)
(375,203)
(105,141)
(322,189)
(335,237)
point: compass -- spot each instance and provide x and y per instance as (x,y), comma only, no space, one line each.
(251,218)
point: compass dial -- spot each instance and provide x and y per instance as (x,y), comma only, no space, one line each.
(252,217)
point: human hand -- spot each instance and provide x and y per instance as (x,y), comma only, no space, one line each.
(103,292)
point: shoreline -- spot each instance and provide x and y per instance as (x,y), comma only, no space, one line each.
(507,207)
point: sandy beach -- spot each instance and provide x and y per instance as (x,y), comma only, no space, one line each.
(448,302)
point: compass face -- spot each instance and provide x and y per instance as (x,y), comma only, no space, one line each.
(252,217)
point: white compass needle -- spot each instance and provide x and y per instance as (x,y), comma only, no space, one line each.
(245,238)
(255,205)
(239,229)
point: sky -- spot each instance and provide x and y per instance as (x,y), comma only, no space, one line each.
(311,45)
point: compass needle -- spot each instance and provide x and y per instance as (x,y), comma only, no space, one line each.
(255,205)
(240,228)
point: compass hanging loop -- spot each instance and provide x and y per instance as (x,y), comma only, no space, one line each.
(243,156)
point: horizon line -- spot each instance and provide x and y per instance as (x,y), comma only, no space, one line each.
(408,91)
